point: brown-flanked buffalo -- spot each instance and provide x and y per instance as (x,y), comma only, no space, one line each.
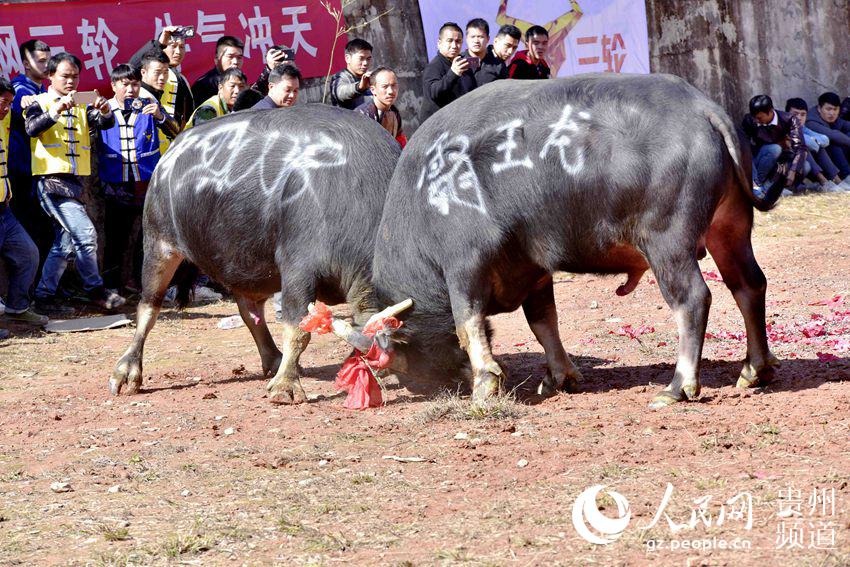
(603,174)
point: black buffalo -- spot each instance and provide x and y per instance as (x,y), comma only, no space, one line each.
(263,201)
(596,174)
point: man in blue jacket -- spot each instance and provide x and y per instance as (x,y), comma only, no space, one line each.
(127,155)
(34,54)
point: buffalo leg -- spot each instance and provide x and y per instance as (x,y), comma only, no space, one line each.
(471,326)
(684,290)
(542,317)
(253,314)
(732,251)
(285,387)
(160,263)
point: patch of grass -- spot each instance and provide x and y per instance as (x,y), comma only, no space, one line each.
(177,545)
(767,433)
(614,471)
(458,554)
(711,483)
(452,407)
(289,527)
(120,559)
(189,467)
(362,478)
(110,533)
(715,442)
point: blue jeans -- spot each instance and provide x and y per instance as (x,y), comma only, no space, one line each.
(764,160)
(75,236)
(21,256)
(838,155)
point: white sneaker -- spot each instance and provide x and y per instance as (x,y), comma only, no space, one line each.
(170,295)
(759,192)
(787,193)
(844,185)
(830,187)
(204,294)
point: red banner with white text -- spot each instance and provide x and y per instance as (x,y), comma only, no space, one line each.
(106,33)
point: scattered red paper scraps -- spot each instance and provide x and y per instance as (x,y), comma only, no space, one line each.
(712,276)
(726,335)
(827,357)
(813,329)
(633,333)
(834,302)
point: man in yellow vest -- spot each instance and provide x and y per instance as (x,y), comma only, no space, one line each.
(61,159)
(16,246)
(231,83)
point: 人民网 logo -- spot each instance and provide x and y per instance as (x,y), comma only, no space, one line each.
(592,525)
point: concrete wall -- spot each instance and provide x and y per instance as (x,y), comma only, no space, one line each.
(734,49)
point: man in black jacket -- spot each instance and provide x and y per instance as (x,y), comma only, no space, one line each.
(493,66)
(779,150)
(448,76)
(177,97)
(228,54)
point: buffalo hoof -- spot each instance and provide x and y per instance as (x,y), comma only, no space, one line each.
(488,383)
(752,377)
(568,383)
(271,365)
(665,398)
(127,373)
(691,391)
(286,391)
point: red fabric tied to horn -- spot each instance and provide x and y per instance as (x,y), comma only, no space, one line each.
(357,375)
(319,320)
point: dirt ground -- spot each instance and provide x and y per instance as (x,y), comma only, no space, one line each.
(200,469)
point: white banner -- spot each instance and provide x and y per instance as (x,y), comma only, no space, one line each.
(585,36)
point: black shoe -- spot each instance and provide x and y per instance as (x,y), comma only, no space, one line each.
(52,304)
(106,299)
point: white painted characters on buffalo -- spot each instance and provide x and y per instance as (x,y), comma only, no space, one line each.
(450,176)
(211,160)
(507,148)
(560,138)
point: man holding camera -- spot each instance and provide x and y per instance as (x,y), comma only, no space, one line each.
(494,63)
(127,155)
(176,99)
(448,76)
(58,123)
(350,87)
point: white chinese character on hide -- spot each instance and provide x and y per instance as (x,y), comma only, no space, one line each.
(296,28)
(10,56)
(210,26)
(562,136)
(258,32)
(100,48)
(165,22)
(450,177)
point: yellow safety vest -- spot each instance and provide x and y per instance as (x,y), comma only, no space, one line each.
(216,103)
(169,103)
(5,186)
(66,146)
